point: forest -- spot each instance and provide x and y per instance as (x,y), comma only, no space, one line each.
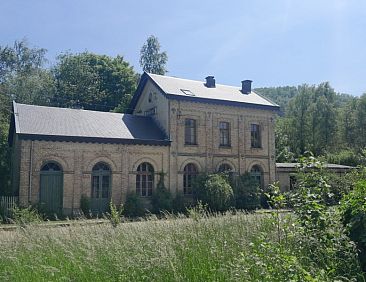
(313,118)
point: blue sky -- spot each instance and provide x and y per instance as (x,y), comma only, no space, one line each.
(274,43)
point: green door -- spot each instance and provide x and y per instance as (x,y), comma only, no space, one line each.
(51,189)
(101,183)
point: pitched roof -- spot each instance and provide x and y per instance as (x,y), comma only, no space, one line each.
(39,122)
(176,88)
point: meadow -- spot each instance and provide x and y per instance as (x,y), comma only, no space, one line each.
(234,246)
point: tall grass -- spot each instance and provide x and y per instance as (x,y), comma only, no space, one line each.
(230,247)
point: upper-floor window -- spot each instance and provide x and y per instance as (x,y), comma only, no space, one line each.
(150,112)
(224,133)
(190,137)
(255,133)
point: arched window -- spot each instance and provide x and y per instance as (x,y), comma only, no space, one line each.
(190,174)
(225,168)
(144,180)
(101,181)
(256,174)
(51,167)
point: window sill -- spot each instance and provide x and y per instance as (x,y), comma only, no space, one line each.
(256,148)
(225,146)
(191,145)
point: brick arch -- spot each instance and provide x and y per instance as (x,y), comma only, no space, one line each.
(106,160)
(197,163)
(226,162)
(145,160)
(258,163)
(52,158)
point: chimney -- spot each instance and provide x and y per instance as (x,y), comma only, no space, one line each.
(246,86)
(210,82)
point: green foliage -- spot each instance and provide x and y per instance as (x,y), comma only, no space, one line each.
(353,210)
(133,206)
(246,192)
(151,60)
(94,82)
(115,214)
(178,203)
(161,199)
(280,95)
(25,216)
(85,205)
(215,191)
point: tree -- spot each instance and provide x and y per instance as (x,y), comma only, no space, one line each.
(94,82)
(151,60)
(23,79)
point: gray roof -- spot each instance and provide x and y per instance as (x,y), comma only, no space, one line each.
(174,86)
(295,165)
(61,122)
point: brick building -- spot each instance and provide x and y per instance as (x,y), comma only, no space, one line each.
(176,126)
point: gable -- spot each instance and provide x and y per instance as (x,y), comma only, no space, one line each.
(196,91)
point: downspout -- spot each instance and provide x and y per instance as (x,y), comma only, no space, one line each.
(30,173)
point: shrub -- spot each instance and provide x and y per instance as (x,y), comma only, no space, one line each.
(85,204)
(215,191)
(246,192)
(25,216)
(115,214)
(353,210)
(133,206)
(161,198)
(178,203)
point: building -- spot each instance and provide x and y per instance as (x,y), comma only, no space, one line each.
(286,173)
(176,126)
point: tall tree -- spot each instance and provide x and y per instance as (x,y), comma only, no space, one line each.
(151,59)
(24,79)
(94,82)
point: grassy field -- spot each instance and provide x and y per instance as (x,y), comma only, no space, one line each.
(231,247)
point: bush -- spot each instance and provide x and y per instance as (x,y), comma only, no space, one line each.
(246,192)
(161,198)
(178,203)
(85,204)
(115,214)
(133,206)
(215,191)
(353,210)
(25,216)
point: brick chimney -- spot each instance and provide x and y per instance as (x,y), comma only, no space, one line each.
(210,82)
(246,86)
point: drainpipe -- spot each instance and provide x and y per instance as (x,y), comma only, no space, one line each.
(30,173)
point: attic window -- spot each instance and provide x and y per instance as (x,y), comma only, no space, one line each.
(187,92)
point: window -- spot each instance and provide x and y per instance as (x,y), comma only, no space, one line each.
(225,168)
(256,174)
(187,92)
(255,136)
(144,180)
(224,133)
(190,174)
(150,112)
(101,178)
(51,167)
(190,132)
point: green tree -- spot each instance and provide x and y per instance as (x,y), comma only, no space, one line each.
(151,59)
(94,82)
(23,79)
